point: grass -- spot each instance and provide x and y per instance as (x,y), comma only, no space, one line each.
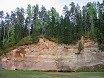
(24,41)
(41,74)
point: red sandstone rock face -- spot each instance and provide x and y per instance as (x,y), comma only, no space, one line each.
(20,52)
(47,55)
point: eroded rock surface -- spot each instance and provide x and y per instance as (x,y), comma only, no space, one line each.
(47,55)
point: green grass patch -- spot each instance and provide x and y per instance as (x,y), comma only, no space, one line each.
(41,74)
(53,39)
(24,41)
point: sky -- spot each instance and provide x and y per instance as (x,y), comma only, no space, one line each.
(11,5)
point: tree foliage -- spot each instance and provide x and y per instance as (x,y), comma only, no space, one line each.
(66,28)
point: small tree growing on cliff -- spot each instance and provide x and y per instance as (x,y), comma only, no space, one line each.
(80,47)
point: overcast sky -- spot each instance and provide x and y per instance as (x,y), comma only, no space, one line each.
(11,5)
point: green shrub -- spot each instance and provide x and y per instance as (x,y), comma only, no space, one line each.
(101,47)
(80,47)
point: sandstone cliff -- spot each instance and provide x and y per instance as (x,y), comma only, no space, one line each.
(47,55)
